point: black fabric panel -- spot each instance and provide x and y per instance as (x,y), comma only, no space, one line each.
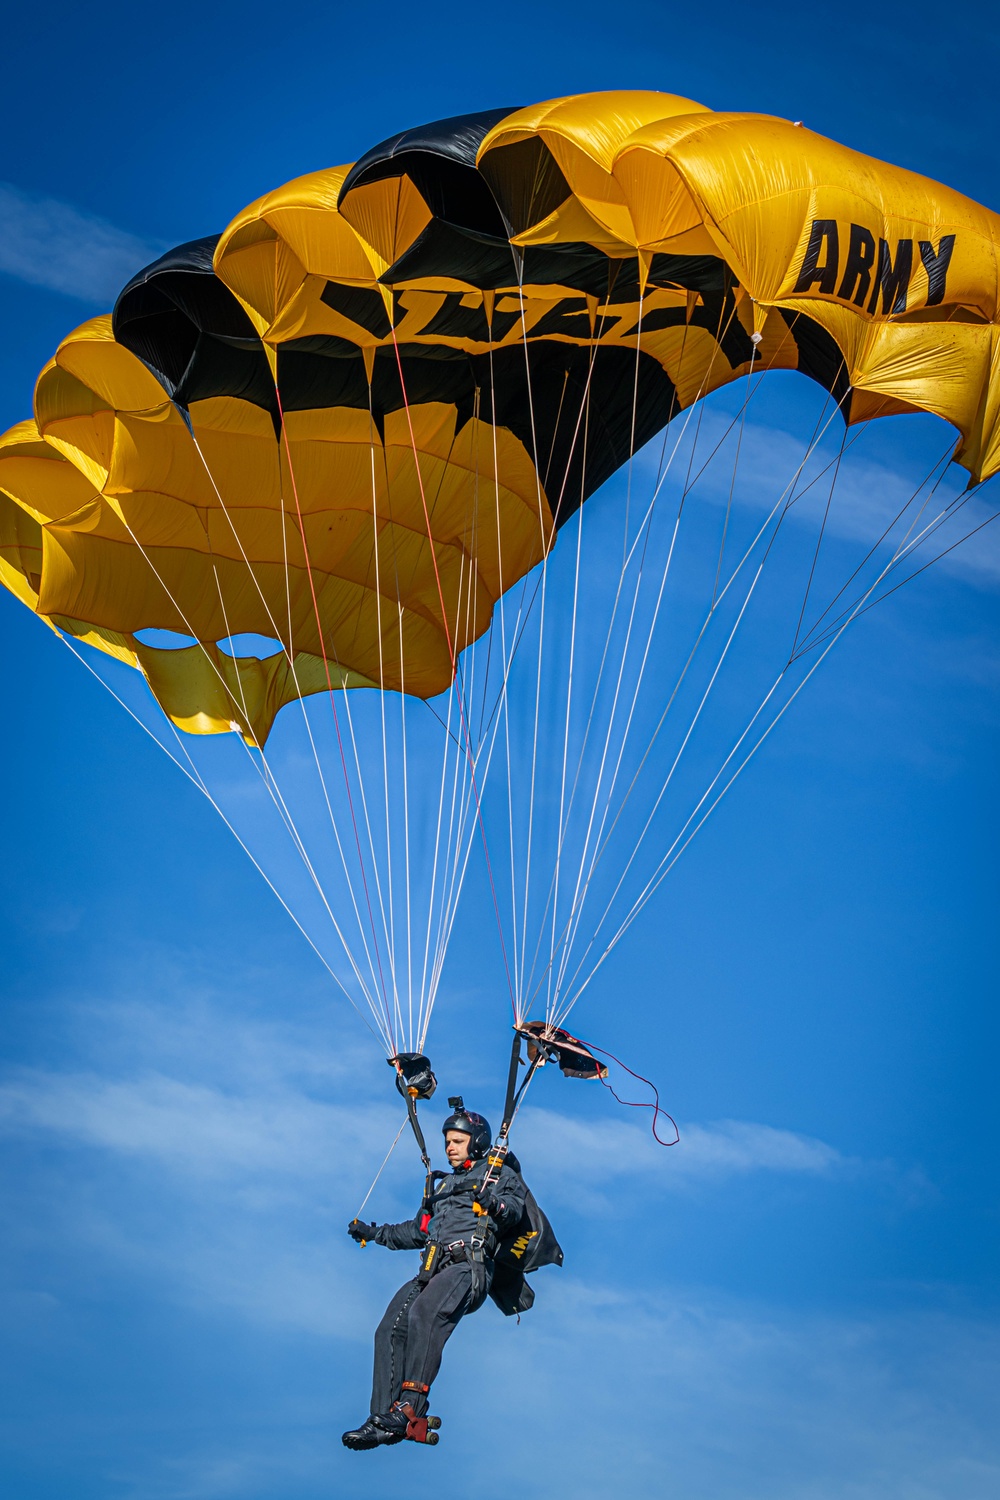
(218,369)
(443,249)
(565,317)
(820,357)
(526,182)
(482,261)
(184,279)
(457,138)
(697,273)
(575,457)
(193,255)
(191,332)
(320,372)
(164,340)
(440,160)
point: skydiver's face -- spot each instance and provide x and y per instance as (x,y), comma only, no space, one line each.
(456,1147)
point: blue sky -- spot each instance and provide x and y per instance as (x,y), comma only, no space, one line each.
(799,1302)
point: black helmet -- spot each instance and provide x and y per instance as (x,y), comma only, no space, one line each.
(470,1124)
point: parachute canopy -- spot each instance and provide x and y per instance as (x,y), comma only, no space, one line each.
(354,419)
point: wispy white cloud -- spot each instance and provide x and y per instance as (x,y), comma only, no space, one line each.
(52,244)
(246,1143)
(192,1128)
(713,1152)
(209,1156)
(713,1400)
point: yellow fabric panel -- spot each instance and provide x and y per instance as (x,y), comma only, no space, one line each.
(20,551)
(338,451)
(33,473)
(979,450)
(279,253)
(202,689)
(208,543)
(387,215)
(569,222)
(207,691)
(114,375)
(761,194)
(79,391)
(584,134)
(595,125)
(763,182)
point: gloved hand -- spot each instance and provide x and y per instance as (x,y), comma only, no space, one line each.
(359,1230)
(490,1202)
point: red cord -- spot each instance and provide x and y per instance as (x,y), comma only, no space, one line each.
(656,1107)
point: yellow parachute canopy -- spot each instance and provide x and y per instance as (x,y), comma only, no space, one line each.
(355,419)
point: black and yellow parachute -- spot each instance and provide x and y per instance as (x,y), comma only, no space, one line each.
(354,419)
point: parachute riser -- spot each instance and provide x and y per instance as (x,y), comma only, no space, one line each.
(513,1098)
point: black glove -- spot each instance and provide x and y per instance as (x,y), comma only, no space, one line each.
(490,1202)
(360,1231)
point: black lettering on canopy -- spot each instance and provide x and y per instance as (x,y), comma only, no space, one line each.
(936,264)
(892,278)
(567,317)
(455,319)
(860,261)
(360,306)
(822,234)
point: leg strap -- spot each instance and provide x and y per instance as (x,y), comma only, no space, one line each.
(418,1429)
(414,1385)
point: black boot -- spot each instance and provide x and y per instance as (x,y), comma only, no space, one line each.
(377,1432)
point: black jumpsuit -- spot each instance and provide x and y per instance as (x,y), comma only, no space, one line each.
(424,1313)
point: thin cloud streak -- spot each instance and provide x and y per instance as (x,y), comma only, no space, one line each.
(192,1128)
(723,1149)
(51,244)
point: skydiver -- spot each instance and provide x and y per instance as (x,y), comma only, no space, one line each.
(456,1272)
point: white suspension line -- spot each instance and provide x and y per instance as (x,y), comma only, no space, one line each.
(391,927)
(584,404)
(336,720)
(642,533)
(582,886)
(954,505)
(569,700)
(188,627)
(917,571)
(197,781)
(677,847)
(288,650)
(576,914)
(676,761)
(786,499)
(381,1169)
(732,482)
(819,543)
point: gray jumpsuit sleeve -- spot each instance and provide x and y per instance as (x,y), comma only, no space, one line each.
(405,1236)
(510,1192)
